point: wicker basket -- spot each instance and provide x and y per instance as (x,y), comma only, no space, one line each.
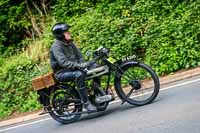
(44,81)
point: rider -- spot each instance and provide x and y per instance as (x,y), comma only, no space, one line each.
(67,62)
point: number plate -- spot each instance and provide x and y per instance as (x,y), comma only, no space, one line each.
(129,58)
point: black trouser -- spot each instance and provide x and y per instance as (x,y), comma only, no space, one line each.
(78,77)
(75,76)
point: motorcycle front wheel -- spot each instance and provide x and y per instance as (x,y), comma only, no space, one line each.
(138,84)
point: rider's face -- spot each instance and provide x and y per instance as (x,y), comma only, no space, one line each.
(67,36)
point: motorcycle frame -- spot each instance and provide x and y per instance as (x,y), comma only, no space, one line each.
(115,68)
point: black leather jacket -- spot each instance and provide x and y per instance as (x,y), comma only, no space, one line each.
(64,57)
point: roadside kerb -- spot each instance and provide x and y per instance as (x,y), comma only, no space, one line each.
(179,76)
(163,80)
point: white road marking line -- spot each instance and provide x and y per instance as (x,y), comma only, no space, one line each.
(22,125)
(163,89)
(116,101)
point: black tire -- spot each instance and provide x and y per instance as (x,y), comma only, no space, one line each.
(137,77)
(64,101)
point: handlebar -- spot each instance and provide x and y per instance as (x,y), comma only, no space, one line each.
(101,51)
(98,54)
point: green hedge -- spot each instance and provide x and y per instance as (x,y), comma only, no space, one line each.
(161,33)
(16,90)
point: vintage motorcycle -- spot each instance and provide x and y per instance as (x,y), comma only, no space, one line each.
(134,82)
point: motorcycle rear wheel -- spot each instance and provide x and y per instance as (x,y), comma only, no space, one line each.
(65,105)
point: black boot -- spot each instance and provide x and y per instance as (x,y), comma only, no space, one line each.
(87,104)
(89,107)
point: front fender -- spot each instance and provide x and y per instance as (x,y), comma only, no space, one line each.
(126,64)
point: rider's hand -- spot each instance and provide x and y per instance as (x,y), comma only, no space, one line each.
(84,65)
(91,62)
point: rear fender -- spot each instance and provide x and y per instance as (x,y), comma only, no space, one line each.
(44,94)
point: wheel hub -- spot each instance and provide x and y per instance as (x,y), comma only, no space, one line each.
(135,84)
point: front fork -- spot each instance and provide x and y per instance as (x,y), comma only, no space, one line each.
(119,71)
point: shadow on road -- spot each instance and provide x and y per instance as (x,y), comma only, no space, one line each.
(114,109)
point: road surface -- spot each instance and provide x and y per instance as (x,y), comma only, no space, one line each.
(175,110)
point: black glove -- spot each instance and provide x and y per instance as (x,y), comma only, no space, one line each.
(91,62)
(84,65)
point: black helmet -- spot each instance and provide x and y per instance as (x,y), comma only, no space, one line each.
(58,30)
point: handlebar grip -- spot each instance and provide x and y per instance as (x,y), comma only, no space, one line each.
(98,57)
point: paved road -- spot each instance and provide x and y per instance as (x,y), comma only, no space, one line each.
(176,110)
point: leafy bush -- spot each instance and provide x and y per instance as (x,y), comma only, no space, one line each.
(162,34)
(15,84)
(65,8)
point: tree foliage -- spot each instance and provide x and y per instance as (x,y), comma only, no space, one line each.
(20,20)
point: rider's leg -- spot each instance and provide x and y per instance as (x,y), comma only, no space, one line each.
(80,81)
(96,82)
(79,78)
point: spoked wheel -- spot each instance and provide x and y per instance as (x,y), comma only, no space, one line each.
(65,105)
(138,85)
